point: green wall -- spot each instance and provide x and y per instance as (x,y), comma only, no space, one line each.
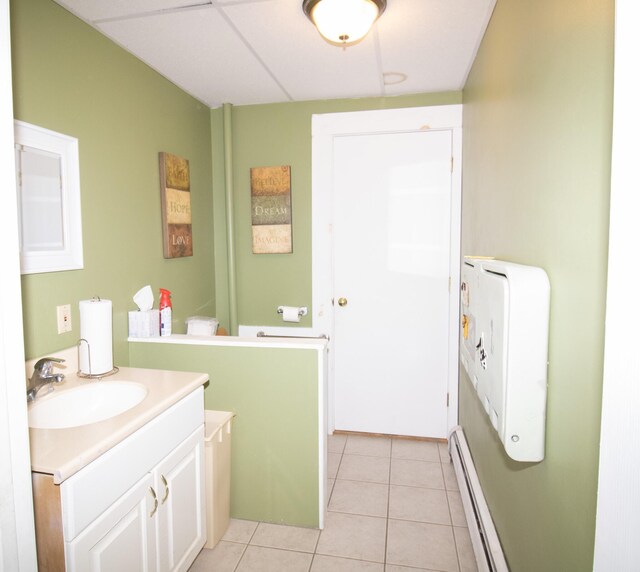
(280,134)
(69,78)
(536,171)
(537,143)
(274,394)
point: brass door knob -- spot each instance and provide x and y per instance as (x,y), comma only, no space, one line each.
(342,301)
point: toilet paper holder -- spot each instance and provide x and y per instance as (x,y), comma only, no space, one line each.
(302,310)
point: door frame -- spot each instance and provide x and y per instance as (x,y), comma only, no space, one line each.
(17,530)
(617,522)
(325,128)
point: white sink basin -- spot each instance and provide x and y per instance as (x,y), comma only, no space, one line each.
(96,401)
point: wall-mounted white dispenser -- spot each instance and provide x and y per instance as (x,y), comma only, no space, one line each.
(503,348)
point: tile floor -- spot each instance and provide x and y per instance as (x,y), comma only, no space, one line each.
(394,506)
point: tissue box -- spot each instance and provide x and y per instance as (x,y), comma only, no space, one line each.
(201,326)
(144,324)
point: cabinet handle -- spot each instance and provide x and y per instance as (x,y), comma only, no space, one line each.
(166,488)
(155,501)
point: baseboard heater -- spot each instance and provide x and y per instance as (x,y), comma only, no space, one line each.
(486,545)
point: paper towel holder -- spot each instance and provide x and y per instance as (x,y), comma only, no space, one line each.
(302,310)
(90,375)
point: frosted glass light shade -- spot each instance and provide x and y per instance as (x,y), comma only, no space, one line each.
(344,22)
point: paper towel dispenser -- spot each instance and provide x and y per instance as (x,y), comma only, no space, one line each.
(503,348)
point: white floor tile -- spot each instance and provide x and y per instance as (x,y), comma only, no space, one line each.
(394,568)
(372,446)
(450,480)
(336,443)
(422,505)
(355,497)
(416,473)
(330,483)
(416,450)
(421,545)
(413,482)
(223,558)
(240,530)
(364,468)
(457,509)
(466,557)
(323,563)
(333,463)
(443,449)
(353,536)
(285,537)
(259,559)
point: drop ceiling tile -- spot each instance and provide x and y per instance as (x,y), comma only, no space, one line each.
(198,51)
(92,10)
(437,48)
(306,65)
(260,51)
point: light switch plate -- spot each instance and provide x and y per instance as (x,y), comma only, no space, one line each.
(64,318)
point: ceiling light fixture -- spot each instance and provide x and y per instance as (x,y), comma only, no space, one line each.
(343,22)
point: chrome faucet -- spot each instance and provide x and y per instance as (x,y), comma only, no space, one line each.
(42,376)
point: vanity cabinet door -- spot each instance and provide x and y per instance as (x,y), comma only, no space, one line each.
(181,517)
(122,539)
(158,525)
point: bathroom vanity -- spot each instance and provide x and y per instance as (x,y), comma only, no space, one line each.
(124,493)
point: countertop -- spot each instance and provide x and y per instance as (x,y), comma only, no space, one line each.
(63,452)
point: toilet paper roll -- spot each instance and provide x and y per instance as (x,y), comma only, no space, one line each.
(290,314)
(96,356)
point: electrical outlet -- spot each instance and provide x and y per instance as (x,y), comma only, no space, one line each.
(64,318)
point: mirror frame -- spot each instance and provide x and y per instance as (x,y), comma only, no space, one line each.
(71,256)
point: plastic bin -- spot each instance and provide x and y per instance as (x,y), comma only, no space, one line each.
(217,457)
(201,326)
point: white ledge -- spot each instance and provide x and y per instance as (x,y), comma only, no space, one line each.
(233,341)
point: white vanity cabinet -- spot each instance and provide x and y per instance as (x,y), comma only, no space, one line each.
(156,526)
(140,506)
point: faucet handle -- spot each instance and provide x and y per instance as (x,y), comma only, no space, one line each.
(45,365)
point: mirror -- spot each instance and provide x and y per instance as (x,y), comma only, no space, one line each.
(48,187)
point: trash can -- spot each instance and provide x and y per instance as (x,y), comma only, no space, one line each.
(217,457)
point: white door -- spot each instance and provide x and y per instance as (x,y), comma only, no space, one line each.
(392,198)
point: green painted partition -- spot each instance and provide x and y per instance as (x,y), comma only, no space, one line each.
(274,394)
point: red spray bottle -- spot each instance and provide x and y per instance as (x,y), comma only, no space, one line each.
(165,312)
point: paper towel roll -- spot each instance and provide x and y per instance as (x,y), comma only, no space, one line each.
(290,314)
(95,327)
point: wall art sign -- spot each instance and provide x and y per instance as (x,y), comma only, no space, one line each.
(176,206)
(271,210)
